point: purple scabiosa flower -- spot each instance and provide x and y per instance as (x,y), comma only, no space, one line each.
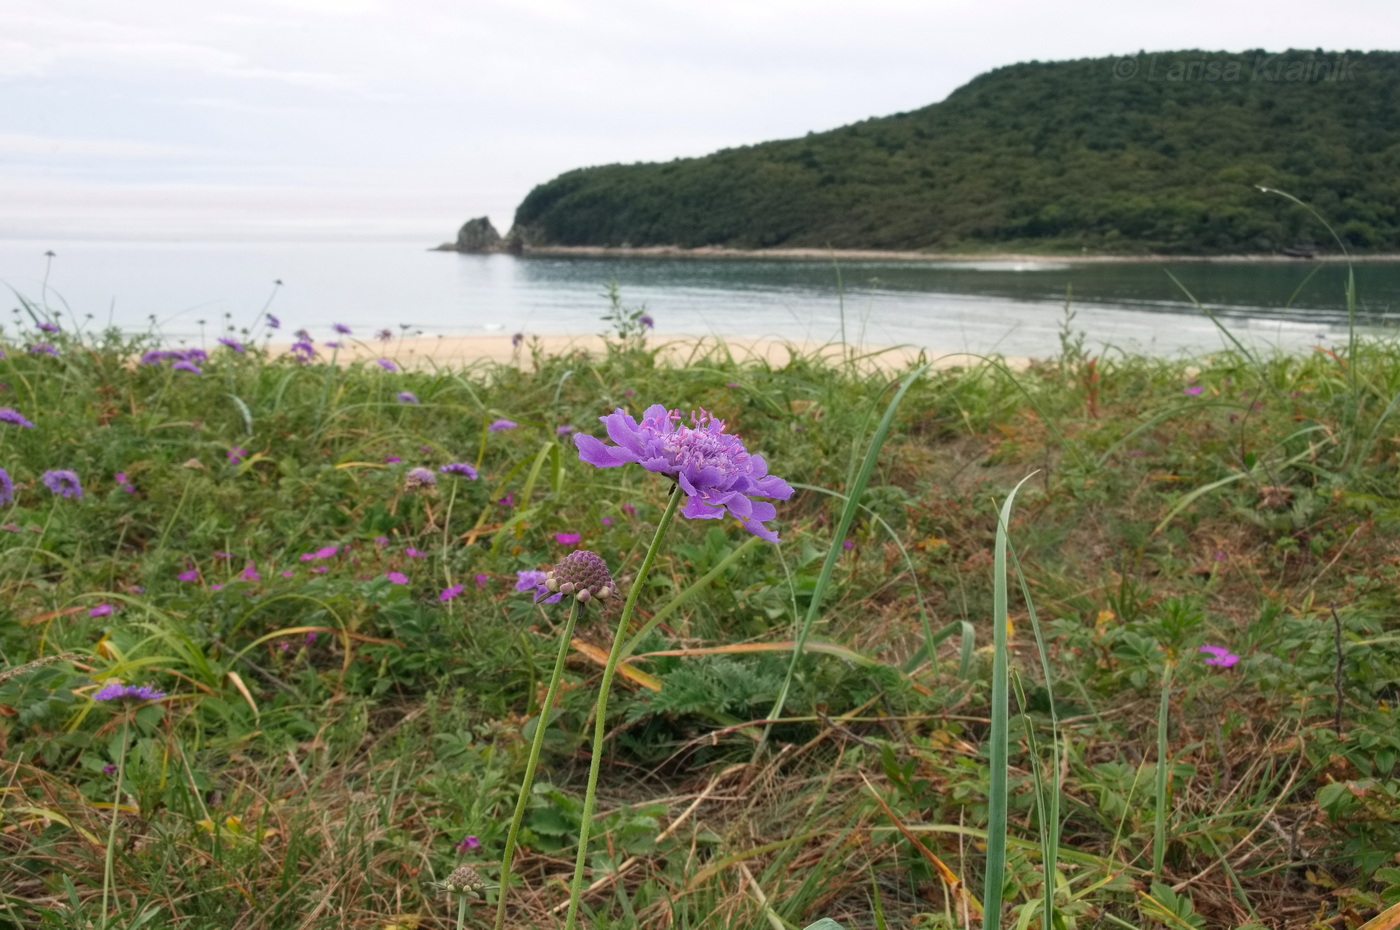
(583,574)
(11,415)
(273,322)
(332,345)
(48,327)
(63,482)
(407,397)
(7,487)
(1192,390)
(503,423)
(419,478)
(250,572)
(191,367)
(567,539)
(123,483)
(482,579)
(341,328)
(191,574)
(1219,656)
(711,466)
(516,339)
(458,468)
(384,335)
(116,691)
(450,592)
(303,350)
(397,577)
(233,344)
(532,580)
(101,610)
(303,334)
(43,348)
(646,321)
(236,455)
(467,843)
(386,364)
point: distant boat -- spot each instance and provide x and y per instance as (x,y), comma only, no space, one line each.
(1299,251)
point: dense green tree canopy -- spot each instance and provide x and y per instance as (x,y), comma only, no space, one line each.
(1160,152)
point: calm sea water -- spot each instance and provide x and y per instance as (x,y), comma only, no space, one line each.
(1016,308)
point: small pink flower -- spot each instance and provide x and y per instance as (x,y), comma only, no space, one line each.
(567,539)
(607,521)
(191,575)
(501,424)
(450,592)
(1219,656)
(381,541)
(413,553)
(397,577)
(508,500)
(250,572)
(101,610)
(1192,389)
(481,579)
(467,843)
(216,587)
(288,573)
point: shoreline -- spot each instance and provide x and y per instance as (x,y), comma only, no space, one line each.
(420,352)
(809,254)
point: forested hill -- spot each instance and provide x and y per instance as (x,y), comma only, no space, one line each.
(1161,152)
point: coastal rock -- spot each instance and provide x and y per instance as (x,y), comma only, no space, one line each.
(478,235)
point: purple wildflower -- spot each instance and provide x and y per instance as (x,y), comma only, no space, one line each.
(116,691)
(516,340)
(481,579)
(392,459)
(7,488)
(123,483)
(191,367)
(532,580)
(386,364)
(48,327)
(109,769)
(341,328)
(303,350)
(11,415)
(458,468)
(508,500)
(1219,655)
(503,423)
(250,572)
(564,429)
(101,610)
(273,322)
(325,552)
(332,345)
(189,575)
(381,541)
(582,574)
(236,454)
(233,344)
(467,843)
(310,638)
(384,335)
(646,321)
(413,553)
(397,577)
(848,544)
(629,509)
(418,478)
(607,521)
(1192,390)
(303,334)
(288,573)
(711,466)
(43,348)
(450,592)
(407,397)
(63,482)
(567,539)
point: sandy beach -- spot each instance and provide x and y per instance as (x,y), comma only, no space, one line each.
(461,351)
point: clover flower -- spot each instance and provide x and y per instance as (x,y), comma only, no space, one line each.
(712,467)
(63,482)
(458,468)
(501,424)
(7,488)
(532,580)
(1219,656)
(583,574)
(11,415)
(116,691)
(407,397)
(419,478)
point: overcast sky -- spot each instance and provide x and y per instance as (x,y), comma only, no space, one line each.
(404,118)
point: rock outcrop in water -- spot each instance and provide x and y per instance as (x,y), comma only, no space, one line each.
(476,235)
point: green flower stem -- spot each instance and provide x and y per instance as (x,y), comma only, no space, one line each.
(600,724)
(462,910)
(540,726)
(110,859)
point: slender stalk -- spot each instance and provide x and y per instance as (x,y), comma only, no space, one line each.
(110,859)
(590,799)
(462,910)
(541,725)
(1159,824)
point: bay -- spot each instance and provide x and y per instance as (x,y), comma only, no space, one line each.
(192,291)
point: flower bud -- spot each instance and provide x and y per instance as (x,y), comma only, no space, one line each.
(582,574)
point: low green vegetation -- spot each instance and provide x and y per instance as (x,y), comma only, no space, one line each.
(1154,153)
(1190,701)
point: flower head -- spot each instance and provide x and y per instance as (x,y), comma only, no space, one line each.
(1219,655)
(449,593)
(123,483)
(386,364)
(233,344)
(303,350)
(397,577)
(481,579)
(236,454)
(458,468)
(419,478)
(1192,390)
(467,843)
(7,487)
(11,415)
(63,482)
(407,397)
(189,575)
(532,580)
(48,327)
(273,322)
(646,321)
(384,335)
(503,423)
(191,367)
(250,572)
(567,539)
(116,691)
(101,610)
(341,328)
(711,466)
(43,348)
(583,574)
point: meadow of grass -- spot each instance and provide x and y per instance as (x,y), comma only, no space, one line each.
(828,727)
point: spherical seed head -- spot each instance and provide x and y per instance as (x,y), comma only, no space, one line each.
(464,880)
(419,479)
(583,574)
